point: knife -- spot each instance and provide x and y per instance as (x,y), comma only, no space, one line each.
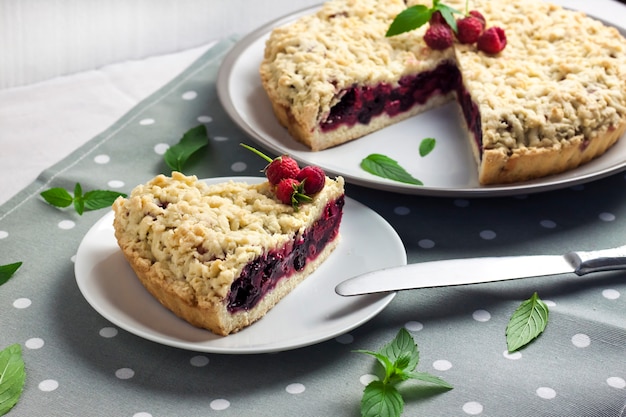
(481,270)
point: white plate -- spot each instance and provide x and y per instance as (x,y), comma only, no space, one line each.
(449,170)
(312,313)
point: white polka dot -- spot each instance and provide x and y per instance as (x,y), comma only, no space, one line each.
(413,326)
(34,343)
(548,224)
(108,332)
(115,184)
(402,210)
(66,224)
(239,166)
(220,138)
(3,234)
(442,365)
(124,373)
(142,414)
(607,217)
(205,119)
(472,408)
(161,148)
(48,385)
(611,294)
(73,258)
(102,159)
(513,356)
(199,361)
(461,202)
(581,340)
(426,244)
(295,388)
(146,122)
(189,95)
(219,404)
(550,303)
(481,315)
(488,234)
(546,393)
(22,303)
(367,378)
(345,339)
(616,382)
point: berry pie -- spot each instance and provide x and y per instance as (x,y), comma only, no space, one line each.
(220,256)
(542,92)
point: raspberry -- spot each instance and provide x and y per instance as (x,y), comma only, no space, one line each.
(281,167)
(469,29)
(439,37)
(478,15)
(313,179)
(492,41)
(289,191)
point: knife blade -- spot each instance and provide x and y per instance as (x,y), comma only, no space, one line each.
(466,271)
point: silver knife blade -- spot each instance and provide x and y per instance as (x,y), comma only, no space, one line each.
(481,270)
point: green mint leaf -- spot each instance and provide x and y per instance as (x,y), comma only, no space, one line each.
(192,141)
(12,377)
(426,146)
(385,167)
(402,351)
(426,377)
(409,19)
(97,199)
(7,271)
(79,203)
(447,13)
(381,400)
(527,323)
(58,197)
(382,359)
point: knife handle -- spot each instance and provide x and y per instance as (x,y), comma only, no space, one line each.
(585,262)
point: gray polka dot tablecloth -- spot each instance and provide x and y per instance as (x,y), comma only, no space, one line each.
(80,364)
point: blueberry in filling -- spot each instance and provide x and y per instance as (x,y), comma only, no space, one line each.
(263,274)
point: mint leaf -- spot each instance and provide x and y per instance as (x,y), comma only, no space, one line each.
(91,200)
(409,19)
(381,400)
(385,167)
(7,271)
(58,197)
(79,203)
(12,377)
(402,347)
(447,13)
(192,141)
(426,377)
(527,323)
(426,146)
(97,199)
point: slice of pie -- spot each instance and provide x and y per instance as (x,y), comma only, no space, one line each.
(552,100)
(221,256)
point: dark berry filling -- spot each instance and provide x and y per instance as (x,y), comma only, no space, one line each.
(360,104)
(263,274)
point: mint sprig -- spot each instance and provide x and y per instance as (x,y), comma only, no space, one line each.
(399,359)
(416,16)
(7,271)
(91,200)
(12,377)
(527,323)
(192,141)
(385,167)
